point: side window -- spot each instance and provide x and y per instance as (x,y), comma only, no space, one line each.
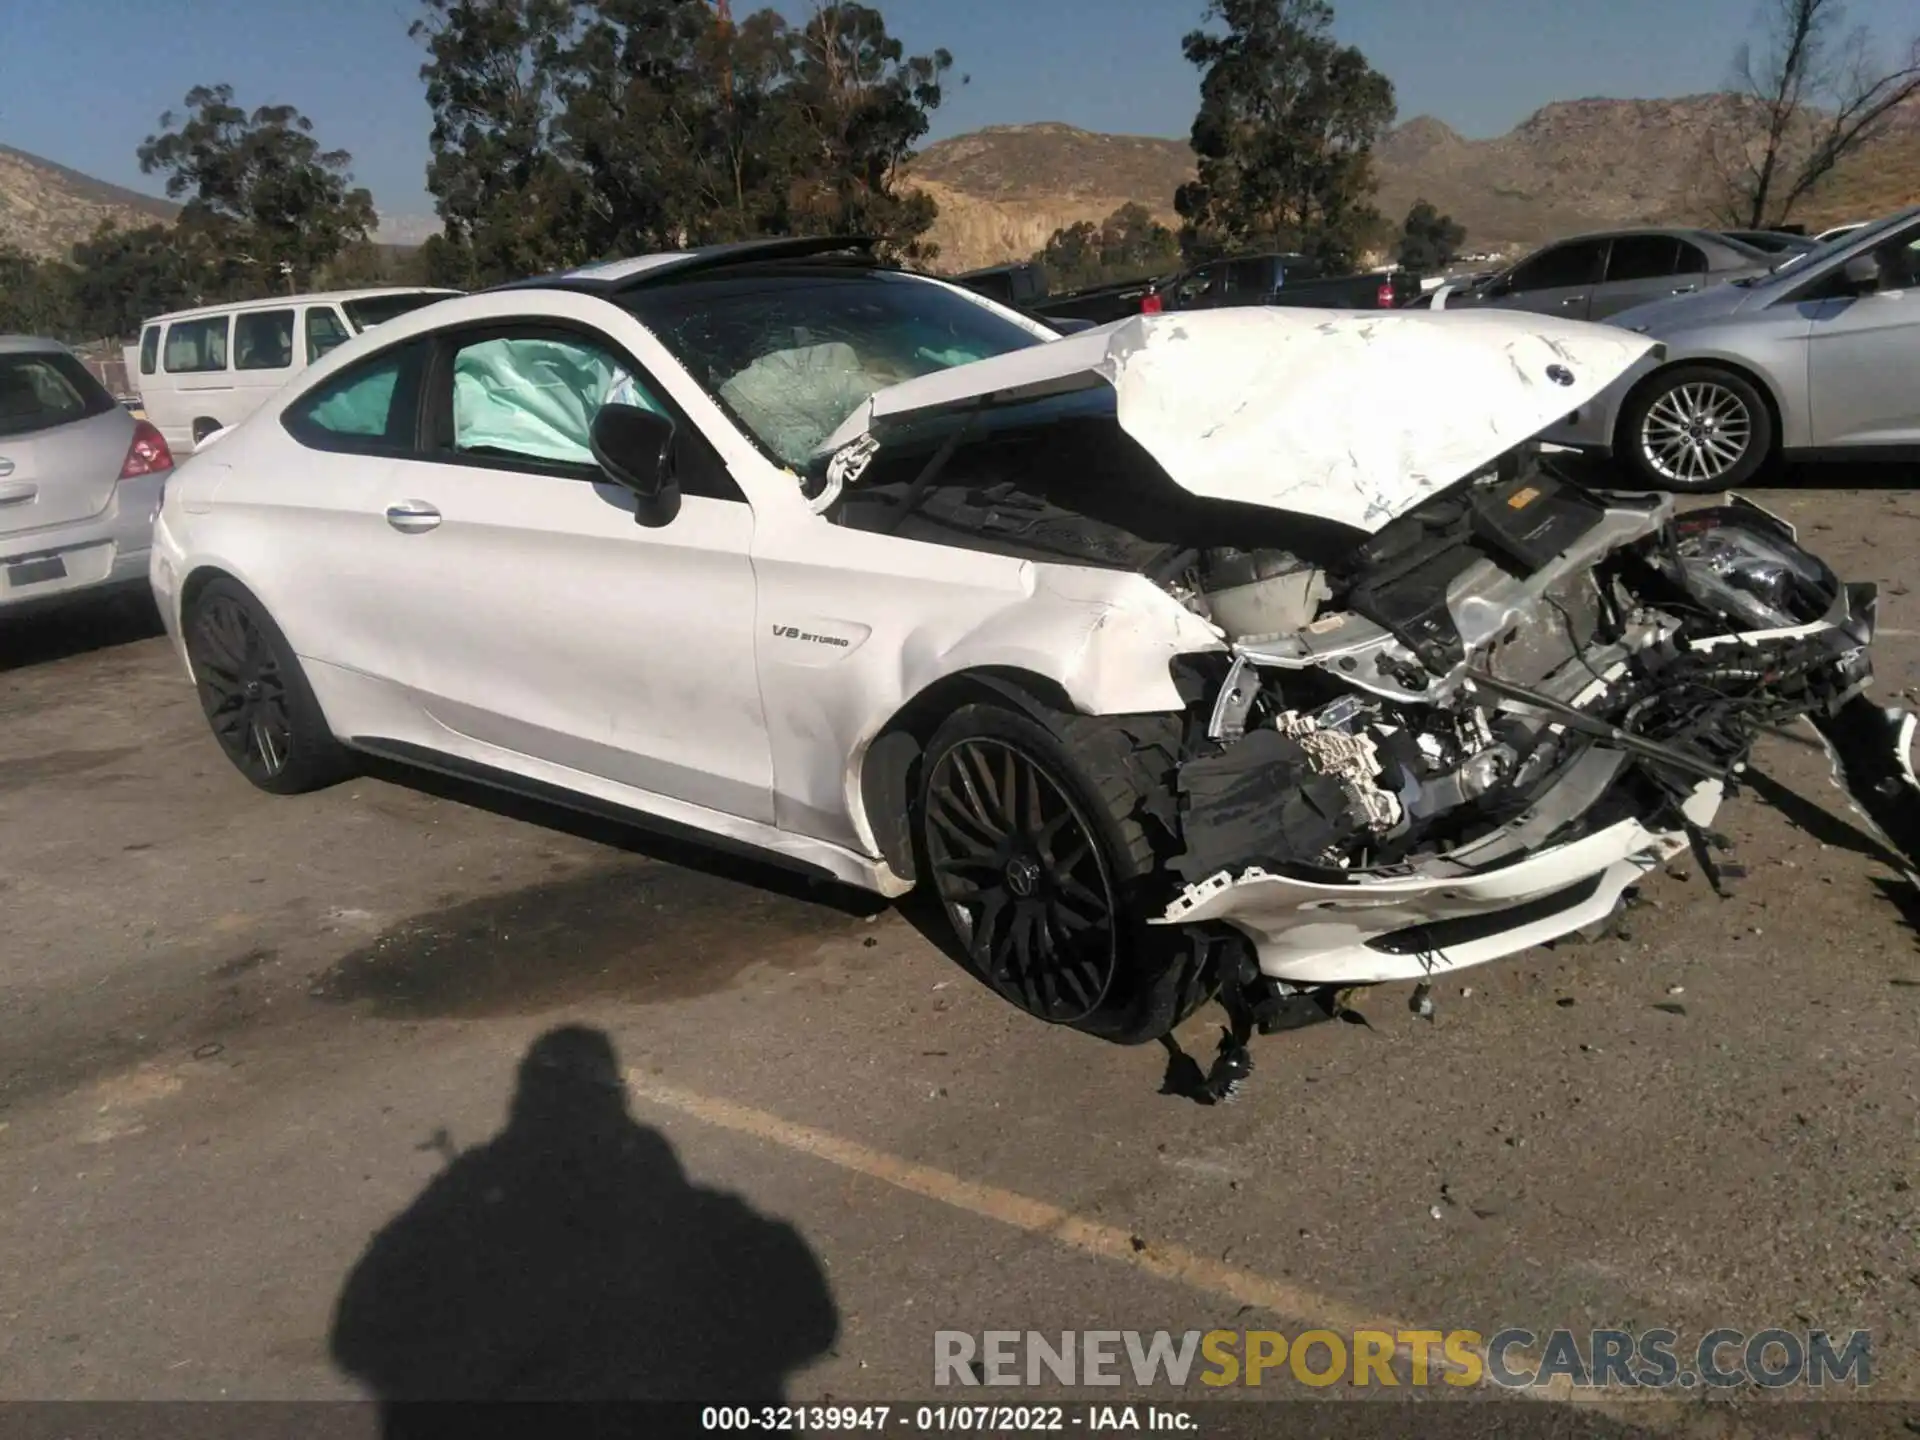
(263,340)
(369,407)
(325,331)
(528,398)
(1691,260)
(195,347)
(150,350)
(529,401)
(1642,257)
(1198,284)
(1249,278)
(1577,263)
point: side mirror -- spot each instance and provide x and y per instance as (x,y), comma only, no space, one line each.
(1862,274)
(635,448)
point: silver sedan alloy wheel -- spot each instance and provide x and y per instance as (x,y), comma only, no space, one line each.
(1696,432)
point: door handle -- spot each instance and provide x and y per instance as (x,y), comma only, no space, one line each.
(412,517)
(1574,300)
(15,491)
(1683,289)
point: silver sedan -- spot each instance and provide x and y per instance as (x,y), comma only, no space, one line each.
(80,479)
(1818,360)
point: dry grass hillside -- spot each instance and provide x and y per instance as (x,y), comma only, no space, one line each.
(1574,165)
(1003,190)
(45,208)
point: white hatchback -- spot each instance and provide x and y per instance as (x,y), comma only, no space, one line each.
(1255,651)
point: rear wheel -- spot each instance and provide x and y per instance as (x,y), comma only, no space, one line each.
(255,697)
(1033,846)
(1697,428)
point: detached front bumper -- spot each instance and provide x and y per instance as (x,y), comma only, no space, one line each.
(1442,917)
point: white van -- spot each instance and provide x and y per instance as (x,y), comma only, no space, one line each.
(203,370)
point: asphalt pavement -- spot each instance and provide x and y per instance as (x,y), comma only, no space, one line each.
(390,1089)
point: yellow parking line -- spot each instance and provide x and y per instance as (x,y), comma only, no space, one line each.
(1294,1305)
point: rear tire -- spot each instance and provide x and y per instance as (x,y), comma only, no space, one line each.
(1696,429)
(255,696)
(1035,845)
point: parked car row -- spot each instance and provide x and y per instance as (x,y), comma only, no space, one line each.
(1240,280)
(1816,357)
(1771,347)
(81,477)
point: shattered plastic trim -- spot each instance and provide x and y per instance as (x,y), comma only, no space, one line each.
(1315,933)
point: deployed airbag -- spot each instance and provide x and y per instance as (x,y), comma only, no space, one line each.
(535,397)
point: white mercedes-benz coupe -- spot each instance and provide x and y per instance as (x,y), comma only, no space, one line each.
(1257,652)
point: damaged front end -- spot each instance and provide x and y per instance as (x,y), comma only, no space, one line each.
(1478,729)
(1460,703)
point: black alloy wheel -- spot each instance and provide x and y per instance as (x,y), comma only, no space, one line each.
(255,697)
(242,689)
(1022,876)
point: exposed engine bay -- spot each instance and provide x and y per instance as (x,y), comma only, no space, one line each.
(1514,664)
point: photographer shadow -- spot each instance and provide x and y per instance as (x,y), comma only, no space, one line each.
(570,1259)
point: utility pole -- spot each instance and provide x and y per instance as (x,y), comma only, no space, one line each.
(723,27)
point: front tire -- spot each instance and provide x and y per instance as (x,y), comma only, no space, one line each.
(1696,429)
(1033,847)
(255,696)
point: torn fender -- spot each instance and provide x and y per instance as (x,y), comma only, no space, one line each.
(1347,416)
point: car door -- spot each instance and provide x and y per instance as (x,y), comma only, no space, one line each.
(305,534)
(1644,268)
(534,615)
(263,358)
(198,380)
(1560,280)
(1251,282)
(1863,366)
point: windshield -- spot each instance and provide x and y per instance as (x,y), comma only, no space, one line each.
(372,310)
(790,352)
(1824,248)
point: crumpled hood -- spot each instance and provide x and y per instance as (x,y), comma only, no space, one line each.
(1349,416)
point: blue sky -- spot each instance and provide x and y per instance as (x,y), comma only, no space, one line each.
(83,83)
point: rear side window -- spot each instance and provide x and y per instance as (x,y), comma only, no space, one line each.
(1249,277)
(526,401)
(196,346)
(367,408)
(1577,263)
(39,391)
(150,350)
(1641,257)
(263,340)
(325,331)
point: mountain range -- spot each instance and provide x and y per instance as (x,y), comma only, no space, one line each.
(1002,190)
(1573,165)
